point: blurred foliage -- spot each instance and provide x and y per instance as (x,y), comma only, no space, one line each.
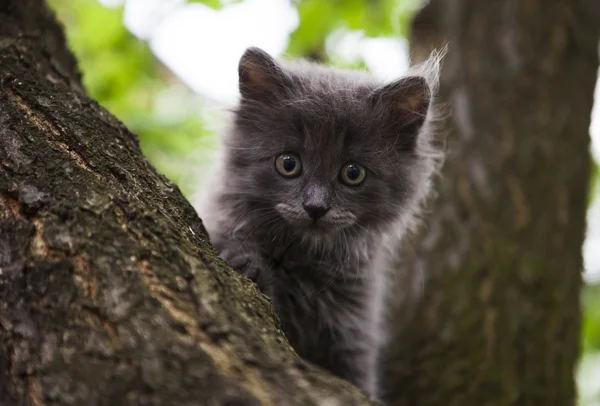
(589,370)
(594,183)
(121,72)
(374,17)
(591,321)
(590,337)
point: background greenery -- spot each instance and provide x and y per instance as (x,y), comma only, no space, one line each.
(121,73)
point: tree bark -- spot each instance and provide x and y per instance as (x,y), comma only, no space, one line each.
(110,293)
(496,319)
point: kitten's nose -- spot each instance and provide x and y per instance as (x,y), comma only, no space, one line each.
(315,211)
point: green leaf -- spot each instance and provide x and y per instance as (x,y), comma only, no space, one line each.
(591,319)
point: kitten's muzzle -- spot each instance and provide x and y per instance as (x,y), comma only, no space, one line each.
(317,217)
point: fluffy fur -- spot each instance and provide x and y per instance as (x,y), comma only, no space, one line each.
(326,278)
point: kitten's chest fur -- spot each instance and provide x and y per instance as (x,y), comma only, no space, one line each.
(322,291)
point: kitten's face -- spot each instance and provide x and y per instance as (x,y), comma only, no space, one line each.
(321,156)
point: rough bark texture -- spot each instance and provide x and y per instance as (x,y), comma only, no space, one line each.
(498,320)
(110,293)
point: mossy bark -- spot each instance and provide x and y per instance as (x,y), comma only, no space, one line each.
(489,310)
(110,293)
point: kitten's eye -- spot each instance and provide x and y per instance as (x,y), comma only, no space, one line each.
(288,165)
(353,174)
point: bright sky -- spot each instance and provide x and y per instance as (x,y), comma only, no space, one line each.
(591,247)
(202,47)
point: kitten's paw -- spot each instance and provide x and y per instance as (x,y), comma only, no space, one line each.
(242,262)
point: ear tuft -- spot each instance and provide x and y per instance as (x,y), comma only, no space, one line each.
(408,98)
(259,74)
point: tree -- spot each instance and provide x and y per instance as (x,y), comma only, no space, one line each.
(498,320)
(110,293)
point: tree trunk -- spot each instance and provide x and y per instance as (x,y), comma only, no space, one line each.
(110,293)
(496,319)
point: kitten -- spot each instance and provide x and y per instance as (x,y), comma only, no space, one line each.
(322,170)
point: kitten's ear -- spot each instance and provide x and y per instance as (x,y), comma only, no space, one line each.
(260,75)
(408,99)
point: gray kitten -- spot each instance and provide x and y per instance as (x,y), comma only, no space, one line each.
(323,170)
